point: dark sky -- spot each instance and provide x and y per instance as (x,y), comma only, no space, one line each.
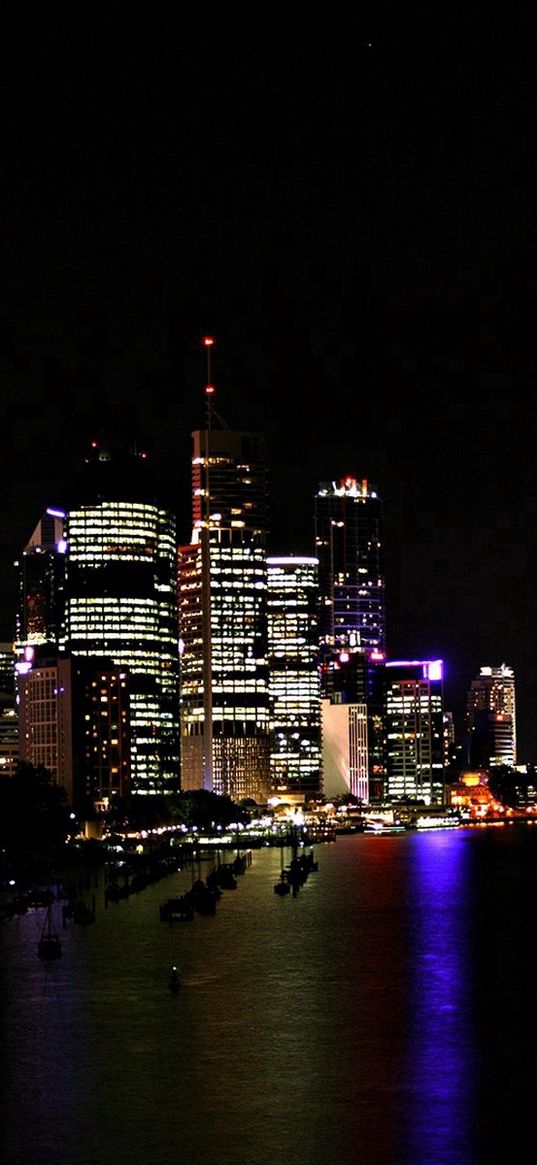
(347,203)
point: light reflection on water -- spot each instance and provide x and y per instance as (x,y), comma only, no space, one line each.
(340,1025)
(440,1049)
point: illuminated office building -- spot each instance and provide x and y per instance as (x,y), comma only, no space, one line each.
(414,727)
(9,722)
(293,648)
(344,750)
(348,543)
(491,718)
(121,601)
(224,699)
(41,582)
(348,519)
(352,721)
(74,721)
(118,600)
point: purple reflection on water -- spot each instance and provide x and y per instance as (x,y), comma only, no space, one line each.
(441,1059)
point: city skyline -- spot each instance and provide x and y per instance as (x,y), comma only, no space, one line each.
(348,209)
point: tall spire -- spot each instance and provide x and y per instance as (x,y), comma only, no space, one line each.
(210,390)
(208,343)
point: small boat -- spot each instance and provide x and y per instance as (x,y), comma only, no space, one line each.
(78,911)
(181,908)
(49,945)
(83,914)
(175,981)
(282,887)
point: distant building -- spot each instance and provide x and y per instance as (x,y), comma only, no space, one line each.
(414,728)
(99,581)
(471,796)
(9,721)
(222,583)
(41,582)
(345,750)
(74,721)
(293,648)
(491,718)
(352,719)
(348,519)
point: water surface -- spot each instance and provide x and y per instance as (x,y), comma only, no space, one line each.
(383,1015)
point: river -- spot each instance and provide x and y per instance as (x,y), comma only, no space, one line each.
(383,1015)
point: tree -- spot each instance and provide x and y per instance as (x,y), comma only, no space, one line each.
(203,808)
(34,820)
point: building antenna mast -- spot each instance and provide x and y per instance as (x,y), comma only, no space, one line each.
(208,343)
(210,390)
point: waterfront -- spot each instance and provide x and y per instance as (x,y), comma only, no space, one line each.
(383,1015)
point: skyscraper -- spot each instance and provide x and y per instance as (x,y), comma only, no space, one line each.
(349,545)
(414,727)
(491,718)
(9,723)
(348,519)
(74,720)
(118,601)
(223,619)
(293,648)
(352,717)
(41,582)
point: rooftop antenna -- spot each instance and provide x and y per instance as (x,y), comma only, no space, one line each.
(208,343)
(210,390)
(205,442)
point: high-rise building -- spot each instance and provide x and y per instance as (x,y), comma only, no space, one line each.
(9,721)
(353,724)
(491,718)
(348,520)
(293,648)
(414,728)
(349,545)
(224,702)
(41,582)
(74,721)
(117,548)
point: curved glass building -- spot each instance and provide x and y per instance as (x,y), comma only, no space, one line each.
(120,601)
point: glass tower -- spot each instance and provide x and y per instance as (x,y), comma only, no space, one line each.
(120,601)
(491,718)
(348,541)
(348,520)
(224,703)
(41,583)
(414,727)
(293,638)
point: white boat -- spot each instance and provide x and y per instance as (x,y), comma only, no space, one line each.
(379,827)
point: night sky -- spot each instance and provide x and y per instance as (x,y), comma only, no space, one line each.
(348,205)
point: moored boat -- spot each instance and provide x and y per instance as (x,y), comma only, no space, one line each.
(49,945)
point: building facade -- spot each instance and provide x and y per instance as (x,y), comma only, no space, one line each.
(491,719)
(348,518)
(41,575)
(115,551)
(353,755)
(414,729)
(74,721)
(9,720)
(294,682)
(222,583)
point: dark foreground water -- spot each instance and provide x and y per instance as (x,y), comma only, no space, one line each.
(384,1015)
